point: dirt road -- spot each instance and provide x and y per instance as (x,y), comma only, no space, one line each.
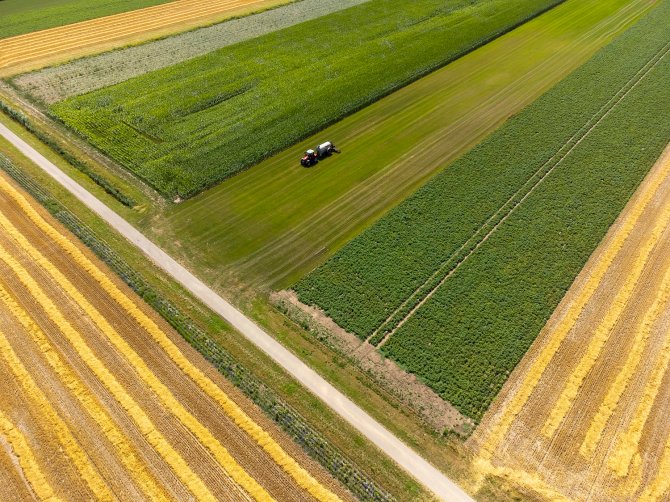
(583,417)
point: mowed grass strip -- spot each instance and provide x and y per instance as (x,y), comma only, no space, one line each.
(475,328)
(19,16)
(188,127)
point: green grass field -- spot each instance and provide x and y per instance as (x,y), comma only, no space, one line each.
(531,202)
(277,221)
(25,16)
(188,127)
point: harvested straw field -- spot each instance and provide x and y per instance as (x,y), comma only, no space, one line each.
(583,416)
(101,399)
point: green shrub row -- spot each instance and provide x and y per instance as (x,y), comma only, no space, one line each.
(189,126)
(265,398)
(475,328)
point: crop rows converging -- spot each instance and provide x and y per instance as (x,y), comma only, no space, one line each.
(456,282)
(585,412)
(102,403)
(208,118)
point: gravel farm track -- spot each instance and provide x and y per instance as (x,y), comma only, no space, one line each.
(102,399)
(66,42)
(583,416)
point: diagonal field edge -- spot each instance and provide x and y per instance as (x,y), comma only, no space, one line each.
(404,456)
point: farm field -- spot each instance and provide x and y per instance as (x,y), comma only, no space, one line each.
(584,415)
(39,48)
(275,222)
(196,128)
(102,400)
(83,75)
(468,270)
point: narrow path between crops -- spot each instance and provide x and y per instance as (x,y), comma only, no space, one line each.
(404,456)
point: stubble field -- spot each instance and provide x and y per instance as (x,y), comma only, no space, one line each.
(101,399)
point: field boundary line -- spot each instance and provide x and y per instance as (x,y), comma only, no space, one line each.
(62,433)
(241,419)
(145,425)
(413,463)
(633,83)
(26,458)
(535,371)
(237,474)
(629,368)
(126,453)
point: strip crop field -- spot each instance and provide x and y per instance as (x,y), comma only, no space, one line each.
(457,281)
(83,75)
(19,17)
(585,415)
(211,117)
(102,400)
(42,47)
(298,217)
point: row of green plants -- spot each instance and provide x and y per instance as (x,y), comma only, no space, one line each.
(190,126)
(362,486)
(469,335)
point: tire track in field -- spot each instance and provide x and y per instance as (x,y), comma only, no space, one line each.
(262,438)
(454,262)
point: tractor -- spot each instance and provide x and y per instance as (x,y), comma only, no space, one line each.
(322,151)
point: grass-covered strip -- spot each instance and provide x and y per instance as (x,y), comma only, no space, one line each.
(474,329)
(21,16)
(189,126)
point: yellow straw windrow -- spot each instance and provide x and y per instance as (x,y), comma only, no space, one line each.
(149,431)
(137,469)
(31,469)
(261,437)
(57,426)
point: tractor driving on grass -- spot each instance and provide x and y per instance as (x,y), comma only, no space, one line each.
(322,151)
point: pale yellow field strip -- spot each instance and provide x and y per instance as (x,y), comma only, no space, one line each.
(659,487)
(627,443)
(31,469)
(176,462)
(225,460)
(262,438)
(602,332)
(51,419)
(137,469)
(565,324)
(30,46)
(630,367)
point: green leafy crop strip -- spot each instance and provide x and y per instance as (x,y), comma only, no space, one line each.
(280,412)
(476,325)
(279,88)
